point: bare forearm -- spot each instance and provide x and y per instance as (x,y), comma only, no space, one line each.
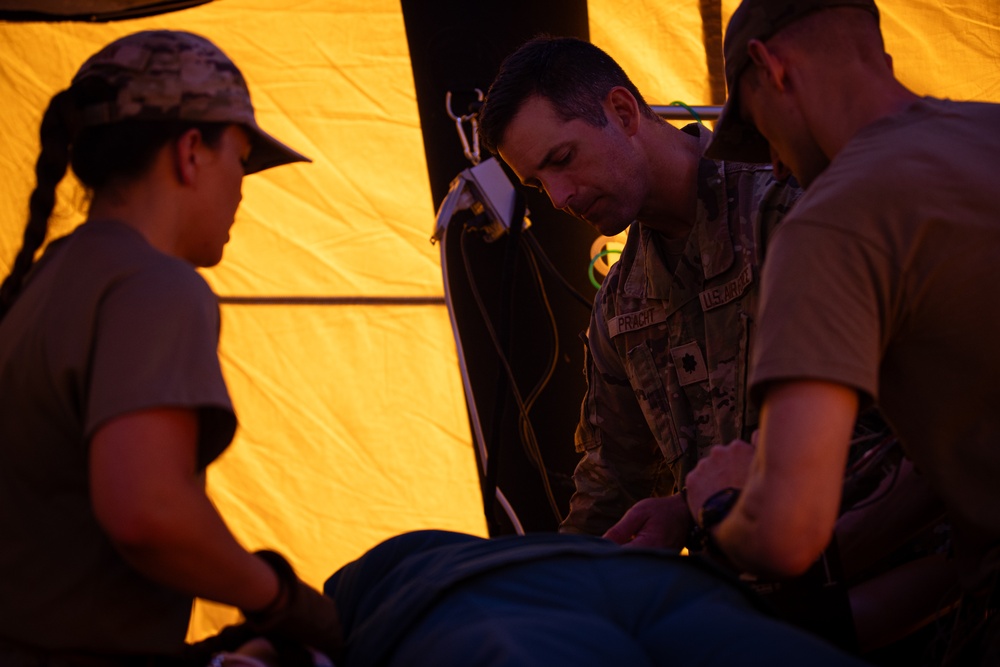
(786,512)
(150,500)
(186,545)
(764,536)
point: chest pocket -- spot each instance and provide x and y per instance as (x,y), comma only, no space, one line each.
(720,411)
(693,398)
(650,383)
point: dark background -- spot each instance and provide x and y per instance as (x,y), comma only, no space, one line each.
(457,46)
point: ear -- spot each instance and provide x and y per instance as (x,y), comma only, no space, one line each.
(187,151)
(768,62)
(622,107)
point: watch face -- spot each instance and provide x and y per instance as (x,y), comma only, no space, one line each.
(718,506)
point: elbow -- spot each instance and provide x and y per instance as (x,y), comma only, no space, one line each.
(780,547)
(135,527)
(792,562)
(790,553)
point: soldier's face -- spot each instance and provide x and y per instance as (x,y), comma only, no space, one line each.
(219,190)
(590,172)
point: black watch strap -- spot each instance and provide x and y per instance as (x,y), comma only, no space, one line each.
(713,511)
(717,507)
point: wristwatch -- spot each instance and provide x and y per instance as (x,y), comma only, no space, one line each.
(713,511)
(717,507)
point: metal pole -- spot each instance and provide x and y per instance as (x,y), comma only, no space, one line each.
(677,112)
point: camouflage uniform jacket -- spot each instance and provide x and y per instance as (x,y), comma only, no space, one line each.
(667,353)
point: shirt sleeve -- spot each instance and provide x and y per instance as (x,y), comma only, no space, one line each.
(156,345)
(825,295)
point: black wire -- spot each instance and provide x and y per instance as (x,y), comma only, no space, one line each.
(539,252)
(885,447)
(527,434)
(502,342)
(550,364)
(530,439)
(487,482)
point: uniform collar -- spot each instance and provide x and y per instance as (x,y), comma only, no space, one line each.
(709,250)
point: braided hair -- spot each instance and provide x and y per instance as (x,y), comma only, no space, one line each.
(99,155)
(56,131)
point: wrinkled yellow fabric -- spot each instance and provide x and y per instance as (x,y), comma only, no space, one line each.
(353,417)
(353,421)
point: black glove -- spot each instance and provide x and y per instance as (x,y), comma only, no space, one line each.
(232,638)
(228,639)
(299,614)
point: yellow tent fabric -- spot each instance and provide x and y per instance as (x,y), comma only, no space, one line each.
(353,423)
(945,49)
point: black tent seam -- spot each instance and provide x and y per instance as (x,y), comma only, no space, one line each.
(149,9)
(332,300)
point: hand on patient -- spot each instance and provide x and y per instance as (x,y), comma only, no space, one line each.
(665,523)
(300,616)
(662,523)
(725,466)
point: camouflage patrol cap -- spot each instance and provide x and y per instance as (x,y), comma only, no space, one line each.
(734,138)
(171,75)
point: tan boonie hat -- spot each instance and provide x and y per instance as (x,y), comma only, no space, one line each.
(170,75)
(734,138)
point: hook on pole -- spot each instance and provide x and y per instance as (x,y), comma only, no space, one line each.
(471,152)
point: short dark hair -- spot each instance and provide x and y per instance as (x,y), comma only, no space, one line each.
(573,74)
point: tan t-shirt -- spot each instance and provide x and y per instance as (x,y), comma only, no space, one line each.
(106,325)
(884,278)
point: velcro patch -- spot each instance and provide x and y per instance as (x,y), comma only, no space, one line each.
(723,294)
(689,363)
(637,320)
